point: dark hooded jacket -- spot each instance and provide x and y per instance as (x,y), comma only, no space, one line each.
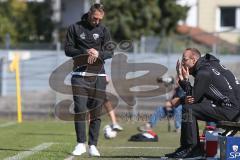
(211,84)
(234,82)
(82,36)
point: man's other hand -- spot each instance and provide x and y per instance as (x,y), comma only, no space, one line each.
(93,52)
(189,100)
(93,55)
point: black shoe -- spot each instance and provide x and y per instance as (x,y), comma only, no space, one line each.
(173,154)
(192,152)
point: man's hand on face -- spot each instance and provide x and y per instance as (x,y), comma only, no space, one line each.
(93,55)
(185,73)
(179,70)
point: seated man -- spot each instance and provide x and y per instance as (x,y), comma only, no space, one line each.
(162,112)
(212,98)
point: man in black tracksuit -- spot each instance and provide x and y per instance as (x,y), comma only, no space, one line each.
(86,43)
(212,98)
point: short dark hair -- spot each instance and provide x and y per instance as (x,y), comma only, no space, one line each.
(96,7)
(195,52)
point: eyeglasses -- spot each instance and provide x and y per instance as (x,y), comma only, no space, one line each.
(185,59)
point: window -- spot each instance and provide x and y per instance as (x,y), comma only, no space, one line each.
(228,18)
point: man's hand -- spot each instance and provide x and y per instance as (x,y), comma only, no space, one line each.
(182,72)
(185,73)
(93,52)
(93,55)
(168,104)
(91,59)
(179,70)
(189,100)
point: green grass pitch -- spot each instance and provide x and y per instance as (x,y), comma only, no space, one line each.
(18,138)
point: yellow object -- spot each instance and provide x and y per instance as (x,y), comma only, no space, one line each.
(14,66)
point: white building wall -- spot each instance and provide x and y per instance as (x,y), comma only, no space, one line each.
(192,16)
(209,19)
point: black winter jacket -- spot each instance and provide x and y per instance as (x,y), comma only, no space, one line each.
(211,84)
(214,62)
(82,36)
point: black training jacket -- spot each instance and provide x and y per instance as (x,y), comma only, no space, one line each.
(209,83)
(214,62)
(82,36)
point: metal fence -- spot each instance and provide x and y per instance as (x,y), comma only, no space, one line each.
(39,99)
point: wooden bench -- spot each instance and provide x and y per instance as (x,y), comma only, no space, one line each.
(231,128)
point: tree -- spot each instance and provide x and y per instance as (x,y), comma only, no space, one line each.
(11,14)
(41,14)
(6,27)
(129,19)
(26,21)
(171,14)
